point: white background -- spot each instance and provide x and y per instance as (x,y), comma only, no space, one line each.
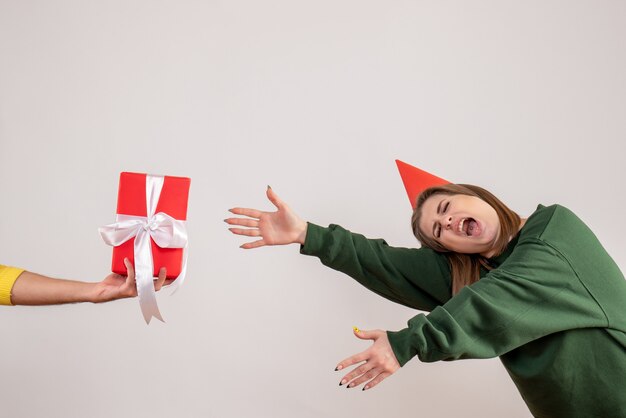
(316,99)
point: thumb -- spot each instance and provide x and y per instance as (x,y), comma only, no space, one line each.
(273,197)
(365,335)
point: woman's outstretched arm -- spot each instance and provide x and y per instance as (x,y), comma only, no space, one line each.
(418,278)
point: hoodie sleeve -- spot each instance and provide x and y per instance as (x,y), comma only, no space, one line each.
(417,278)
(534,293)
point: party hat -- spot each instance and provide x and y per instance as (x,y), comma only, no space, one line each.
(416,180)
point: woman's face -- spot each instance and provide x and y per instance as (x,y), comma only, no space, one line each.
(461,223)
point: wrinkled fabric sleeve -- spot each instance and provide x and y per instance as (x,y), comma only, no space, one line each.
(533,294)
(417,278)
(8,276)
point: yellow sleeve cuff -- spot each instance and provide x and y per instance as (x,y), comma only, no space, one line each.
(8,276)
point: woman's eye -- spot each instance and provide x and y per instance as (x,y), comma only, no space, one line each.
(438,232)
(445,207)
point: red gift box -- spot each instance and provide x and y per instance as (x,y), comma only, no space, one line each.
(131,200)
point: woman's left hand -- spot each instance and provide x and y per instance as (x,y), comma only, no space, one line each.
(380,361)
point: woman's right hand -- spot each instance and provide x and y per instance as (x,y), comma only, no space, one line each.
(275,228)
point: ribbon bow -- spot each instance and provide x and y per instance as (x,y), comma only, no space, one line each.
(166,232)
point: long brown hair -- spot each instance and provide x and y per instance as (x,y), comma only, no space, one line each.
(465,268)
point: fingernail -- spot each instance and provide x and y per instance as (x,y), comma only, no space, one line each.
(350,386)
(356,329)
(226,220)
(343,382)
(365,387)
(269,187)
(338,367)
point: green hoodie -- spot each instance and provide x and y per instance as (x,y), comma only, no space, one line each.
(553,309)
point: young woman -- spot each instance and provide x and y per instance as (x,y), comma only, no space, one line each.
(541,293)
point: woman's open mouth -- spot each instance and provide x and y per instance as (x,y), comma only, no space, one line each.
(469,226)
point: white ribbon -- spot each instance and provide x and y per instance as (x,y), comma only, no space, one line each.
(166,232)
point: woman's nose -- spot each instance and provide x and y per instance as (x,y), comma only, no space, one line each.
(448,222)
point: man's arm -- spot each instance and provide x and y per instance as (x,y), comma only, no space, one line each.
(36,289)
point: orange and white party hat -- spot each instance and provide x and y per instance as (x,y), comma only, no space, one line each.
(416,180)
